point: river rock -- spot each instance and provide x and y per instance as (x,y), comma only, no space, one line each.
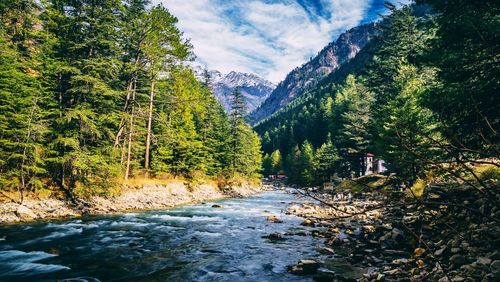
(418,252)
(325,251)
(397,234)
(304,267)
(369,228)
(274,219)
(458,260)
(53,251)
(25,213)
(395,253)
(216,206)
(483,260)
(439,252)
(495,268)
(307,222)
(274,237)
(294,208)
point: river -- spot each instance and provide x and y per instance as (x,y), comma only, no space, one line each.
(190,243)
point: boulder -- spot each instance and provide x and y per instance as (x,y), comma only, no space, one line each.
(24,213)
(216,206)
(325,251)
(274,219)
(397,234)
(458,260)
(307,222)
(304,267)
(483,260)
(274,237)
(369,228)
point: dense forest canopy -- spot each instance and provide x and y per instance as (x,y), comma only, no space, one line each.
(422,96)
(92,92)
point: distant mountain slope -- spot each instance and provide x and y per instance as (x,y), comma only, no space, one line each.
(254,88)
(308,75)
(311,100)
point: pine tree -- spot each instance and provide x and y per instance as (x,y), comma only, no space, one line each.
(465,54)
(214,129)
(84,86)
(354,103)
(163,46)
(93,89)
(306,164)
(132,37)
(267,165)
(238,109)
(275,162)
(178,146)
(21,122)
(326,161)
(291,165)
(401,124)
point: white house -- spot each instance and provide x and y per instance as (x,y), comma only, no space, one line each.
(373,165)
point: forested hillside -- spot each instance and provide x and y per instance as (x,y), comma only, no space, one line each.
(416,97)
(96,92)
(307,76)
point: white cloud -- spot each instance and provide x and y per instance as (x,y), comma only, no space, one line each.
(268,39)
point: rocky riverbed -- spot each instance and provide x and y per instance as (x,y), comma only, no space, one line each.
(450,234)
(131,198)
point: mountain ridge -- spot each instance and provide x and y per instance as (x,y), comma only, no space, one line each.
(307,76)
(255,89)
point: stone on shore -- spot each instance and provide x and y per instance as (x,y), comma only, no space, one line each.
(307,222)
(25,213)
(304,267)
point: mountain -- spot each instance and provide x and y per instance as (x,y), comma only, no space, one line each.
(308,75)
(254,88)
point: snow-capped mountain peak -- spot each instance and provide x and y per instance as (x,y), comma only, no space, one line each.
(239,79)
(254,88)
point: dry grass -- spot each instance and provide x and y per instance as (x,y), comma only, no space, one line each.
(115,187)
(143,181)
(418,188)
(488,172)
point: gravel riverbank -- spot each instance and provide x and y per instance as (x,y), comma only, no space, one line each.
(131,198)
(450,234)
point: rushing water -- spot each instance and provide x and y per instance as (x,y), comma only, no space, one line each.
(192,243)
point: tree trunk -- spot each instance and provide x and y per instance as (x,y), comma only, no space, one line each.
(131,130)
(150,121)
(130,89)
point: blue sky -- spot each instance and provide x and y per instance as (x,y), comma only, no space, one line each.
(266,37)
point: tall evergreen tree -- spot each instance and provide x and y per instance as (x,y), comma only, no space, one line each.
(85,89)
(465,53)
(163,46)
(306,164)
(21,119)
(275,162)
(326,161)
(238,110)
(401,124)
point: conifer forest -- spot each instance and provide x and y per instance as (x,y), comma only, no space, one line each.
(172,140)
